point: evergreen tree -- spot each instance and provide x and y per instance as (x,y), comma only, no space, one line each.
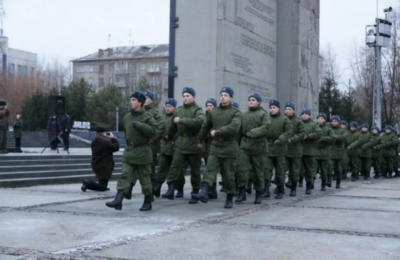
(34,111)
(103,107)
(330,96)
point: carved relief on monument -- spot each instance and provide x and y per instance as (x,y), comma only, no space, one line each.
(308,60)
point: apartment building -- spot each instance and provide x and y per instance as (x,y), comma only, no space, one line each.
(126,67)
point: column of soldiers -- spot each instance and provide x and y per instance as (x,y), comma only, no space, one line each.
(245,148)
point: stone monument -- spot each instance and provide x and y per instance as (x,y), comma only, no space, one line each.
(265,46)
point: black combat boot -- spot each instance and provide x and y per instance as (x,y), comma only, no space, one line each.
(276,190)
(212,193)
(117,202)
(179,193)
(280,192)
(228,202)
(293,189)
(376,176)
(337,184)
(308,188)
(266,193)
(288,184)
(85,185)
(170,192)
(312,183)
(257,200)
(354,177)
(242,195)
(128,194)
(147,203)
(157,189)
(301,182)
(192,200)
(203,195)
(344,174)
(323,185)
(389,175)
(329,181)
(249,186)
(236,191)
(397,175)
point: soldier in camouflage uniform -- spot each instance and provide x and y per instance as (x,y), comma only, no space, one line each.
(345,163)
(388,146)
(353,149)
(255,124)
(278,135)
(376,153)
(223,123)
(323,148)
(338,148)
(139,129)
(365,151)
(294,153)
(186,124)
(312,133)
(155,143)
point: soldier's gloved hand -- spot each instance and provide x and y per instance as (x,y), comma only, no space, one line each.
(134,123)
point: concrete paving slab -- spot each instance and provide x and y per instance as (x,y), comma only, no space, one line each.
(352,203)
(50,232)
(71,188)
(25,199)
(10,257)
(371,193)
(325,219)
(163,209)
(383,185)
(225,242)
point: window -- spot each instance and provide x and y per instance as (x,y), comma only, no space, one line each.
(11,68)
(143,66)
(110,80)
(91,81)
(101,69)
(166,65)
(110,67)
(91,68)
(81,68)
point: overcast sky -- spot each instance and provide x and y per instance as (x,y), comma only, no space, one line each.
(69,29)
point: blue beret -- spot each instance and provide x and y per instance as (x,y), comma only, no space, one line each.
(354,123)
(290,104)
(3,102)
(323,115)
(256,96)
(149,94)
(171,101)
(139,96)
(228,90)
(365,125)
(375,128)
(336,118)
(212,101)
(274,102)
(235,104)
(344,122)
(306,111)
(389,126)
(189,90)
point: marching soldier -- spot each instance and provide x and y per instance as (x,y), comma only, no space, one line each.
(388,145)
(278,135)
(353,144)
(376,153)
(223,124)
(338,148)
(186,124)
(312,133)
(255,124)
(155,143)
(139,128)
(345,164)
(365,151)
(323,147)
(294,153)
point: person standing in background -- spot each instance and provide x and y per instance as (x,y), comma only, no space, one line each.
(4,113)
(66,129)
(18,125)
(53,129)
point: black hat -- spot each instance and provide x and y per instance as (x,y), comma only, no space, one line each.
(101,129)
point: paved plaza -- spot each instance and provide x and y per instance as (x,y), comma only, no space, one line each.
(359,221)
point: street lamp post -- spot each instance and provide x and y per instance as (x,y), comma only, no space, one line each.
(378,36)
(330,113)
(116,118)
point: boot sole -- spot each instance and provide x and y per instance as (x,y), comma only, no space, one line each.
(115,207)
(141,209)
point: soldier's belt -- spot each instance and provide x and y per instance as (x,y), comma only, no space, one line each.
(132,145)
(187,135)
(222,139)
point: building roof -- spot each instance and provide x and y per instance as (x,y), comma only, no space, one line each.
(128,52)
